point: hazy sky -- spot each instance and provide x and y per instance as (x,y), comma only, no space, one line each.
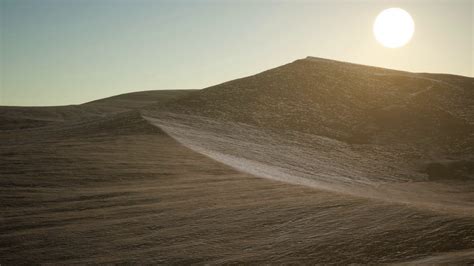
(73,51)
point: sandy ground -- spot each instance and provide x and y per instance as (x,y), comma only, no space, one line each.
(316,161)
(140,196)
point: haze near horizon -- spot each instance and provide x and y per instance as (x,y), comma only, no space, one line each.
(59,53)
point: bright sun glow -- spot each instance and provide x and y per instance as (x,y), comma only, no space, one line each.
(394,27)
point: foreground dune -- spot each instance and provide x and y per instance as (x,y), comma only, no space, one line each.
(143,197)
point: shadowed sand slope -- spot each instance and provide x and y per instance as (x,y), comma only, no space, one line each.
(136,100)
(143,197)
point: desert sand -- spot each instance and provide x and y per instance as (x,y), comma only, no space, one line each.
(316,161)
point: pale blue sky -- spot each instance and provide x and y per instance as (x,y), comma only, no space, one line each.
(72,51)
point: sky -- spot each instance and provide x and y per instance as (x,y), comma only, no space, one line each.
(60,52)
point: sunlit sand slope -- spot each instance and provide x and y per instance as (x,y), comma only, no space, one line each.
(348,102)
(384,172)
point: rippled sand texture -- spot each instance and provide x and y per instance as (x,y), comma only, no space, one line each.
(143,197)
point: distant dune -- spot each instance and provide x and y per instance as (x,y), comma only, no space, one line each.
(12,117)
(316,161)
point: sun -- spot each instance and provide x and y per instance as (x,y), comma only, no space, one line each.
(394,27)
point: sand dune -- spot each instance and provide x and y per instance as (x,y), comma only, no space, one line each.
(290,165)
(13,117)
(366,131)
(347,102)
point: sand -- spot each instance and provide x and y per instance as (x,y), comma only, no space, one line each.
(135,179)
